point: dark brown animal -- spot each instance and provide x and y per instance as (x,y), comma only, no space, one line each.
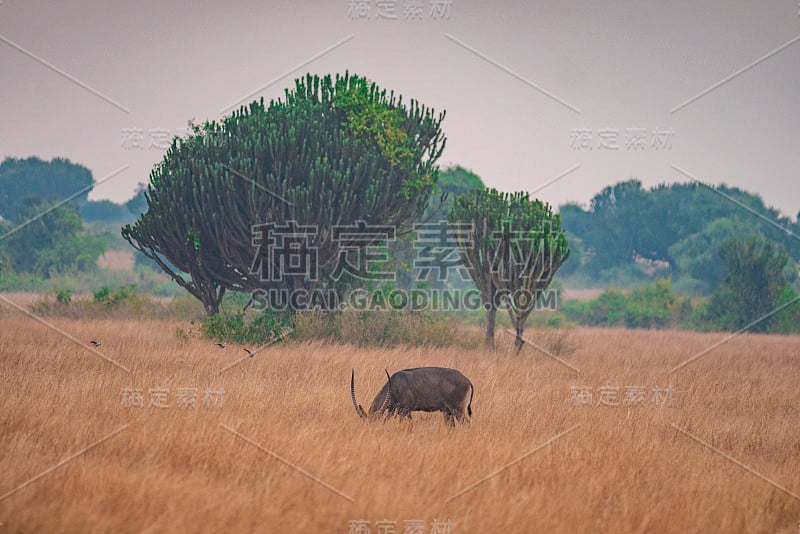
(422,389)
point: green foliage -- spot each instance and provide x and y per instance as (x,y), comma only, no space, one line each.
(11,281)
(517,246)
(680,224)
(137,204)
(575,259)
(334,151)
(453,182)
(119,304)
(34,180)
(458,181)
(105,211)
(238,327)
(697,254)
(649,306)
(110,296)
(64,296)
(51,243)
(753,285)
(607,310)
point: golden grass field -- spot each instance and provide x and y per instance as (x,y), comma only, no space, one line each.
(178,469)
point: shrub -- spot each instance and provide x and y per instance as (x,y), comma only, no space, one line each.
(265,327)
(64,296)
(648,306)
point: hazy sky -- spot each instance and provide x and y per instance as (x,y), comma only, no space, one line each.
(526,85)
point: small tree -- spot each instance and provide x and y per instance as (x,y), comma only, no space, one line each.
(753,285)
(516,248)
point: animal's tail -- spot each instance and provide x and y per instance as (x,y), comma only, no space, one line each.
(469,406)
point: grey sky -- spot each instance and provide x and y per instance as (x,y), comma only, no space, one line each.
(623,65)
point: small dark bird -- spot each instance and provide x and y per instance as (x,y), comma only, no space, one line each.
(222,345)
(95,343)
(250,353)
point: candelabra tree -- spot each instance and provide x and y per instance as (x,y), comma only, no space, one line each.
(332,152)
(516,246)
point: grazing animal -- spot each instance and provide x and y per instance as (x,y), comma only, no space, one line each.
(249,352)
(222,345)
(95,343)
(423,389)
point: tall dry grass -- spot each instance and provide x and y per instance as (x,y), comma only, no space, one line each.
(178,470)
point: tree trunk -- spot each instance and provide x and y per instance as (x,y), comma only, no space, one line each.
(212,298)
(518,341)
(491,314)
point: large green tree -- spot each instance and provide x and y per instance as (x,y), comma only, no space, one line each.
(516,248)
(33,178)
(334,151)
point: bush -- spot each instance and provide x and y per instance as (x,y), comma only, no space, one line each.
(235,327)
(64,296)
(106,295)
(648,306)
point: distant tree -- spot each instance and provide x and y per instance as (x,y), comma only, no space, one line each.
(626,222)
(33,178)
(516,248)
(575,260)
(137,204)
(697,255)
(612,227)
(104,211)
(752,285)
(453,181)
(52,243)
(458,180)
(5,261)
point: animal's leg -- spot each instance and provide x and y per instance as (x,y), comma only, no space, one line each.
(450,419)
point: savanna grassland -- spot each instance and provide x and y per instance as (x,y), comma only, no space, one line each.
(282,450)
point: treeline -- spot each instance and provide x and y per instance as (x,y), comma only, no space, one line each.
(48,226)
(725,261)
(630,234)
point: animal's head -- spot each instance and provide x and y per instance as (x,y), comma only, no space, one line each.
(382,402)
